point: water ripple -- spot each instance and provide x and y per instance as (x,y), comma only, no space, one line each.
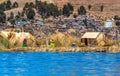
(59,64)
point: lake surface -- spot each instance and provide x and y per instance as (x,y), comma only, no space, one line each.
(59,64)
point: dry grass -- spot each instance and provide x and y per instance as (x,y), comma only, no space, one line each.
(16,39)
(112,7)
(20,2)
(40,42)
(4,43)
(64,40)
(112,43)
(15,11)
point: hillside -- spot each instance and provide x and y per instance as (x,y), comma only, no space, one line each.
(111,7)
(76,3)
(21,2)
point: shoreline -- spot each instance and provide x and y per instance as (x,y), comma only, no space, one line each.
(113,49)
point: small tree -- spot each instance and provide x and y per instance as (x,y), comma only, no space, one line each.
(74,15)
(30,14)
(32,5)
(11,18)
(66,11)
(15,5)
(116,17)
(2,16)
(82,10)
(12,15)
(70,7)
(26,6)
(3,6)
(101,8)
(17,17)
(89,7)
(12,21)
(8,5)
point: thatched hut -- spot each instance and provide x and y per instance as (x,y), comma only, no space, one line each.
(93,39)
(16,39)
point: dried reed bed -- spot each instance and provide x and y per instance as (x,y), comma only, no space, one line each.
(65,40)
(113,49)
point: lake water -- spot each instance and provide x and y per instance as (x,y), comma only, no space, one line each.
(59,64)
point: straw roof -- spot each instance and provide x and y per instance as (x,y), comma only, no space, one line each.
(91,35)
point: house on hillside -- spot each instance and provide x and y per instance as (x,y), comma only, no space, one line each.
(109,24)
(93,39)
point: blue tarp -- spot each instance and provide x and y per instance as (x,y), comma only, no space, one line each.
(39,23)
(21,23)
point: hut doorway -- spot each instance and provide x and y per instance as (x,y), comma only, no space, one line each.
(86,42)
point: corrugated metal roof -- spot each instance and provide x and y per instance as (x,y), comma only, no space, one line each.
(91,35)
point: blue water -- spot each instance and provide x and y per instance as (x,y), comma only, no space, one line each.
(59,64)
